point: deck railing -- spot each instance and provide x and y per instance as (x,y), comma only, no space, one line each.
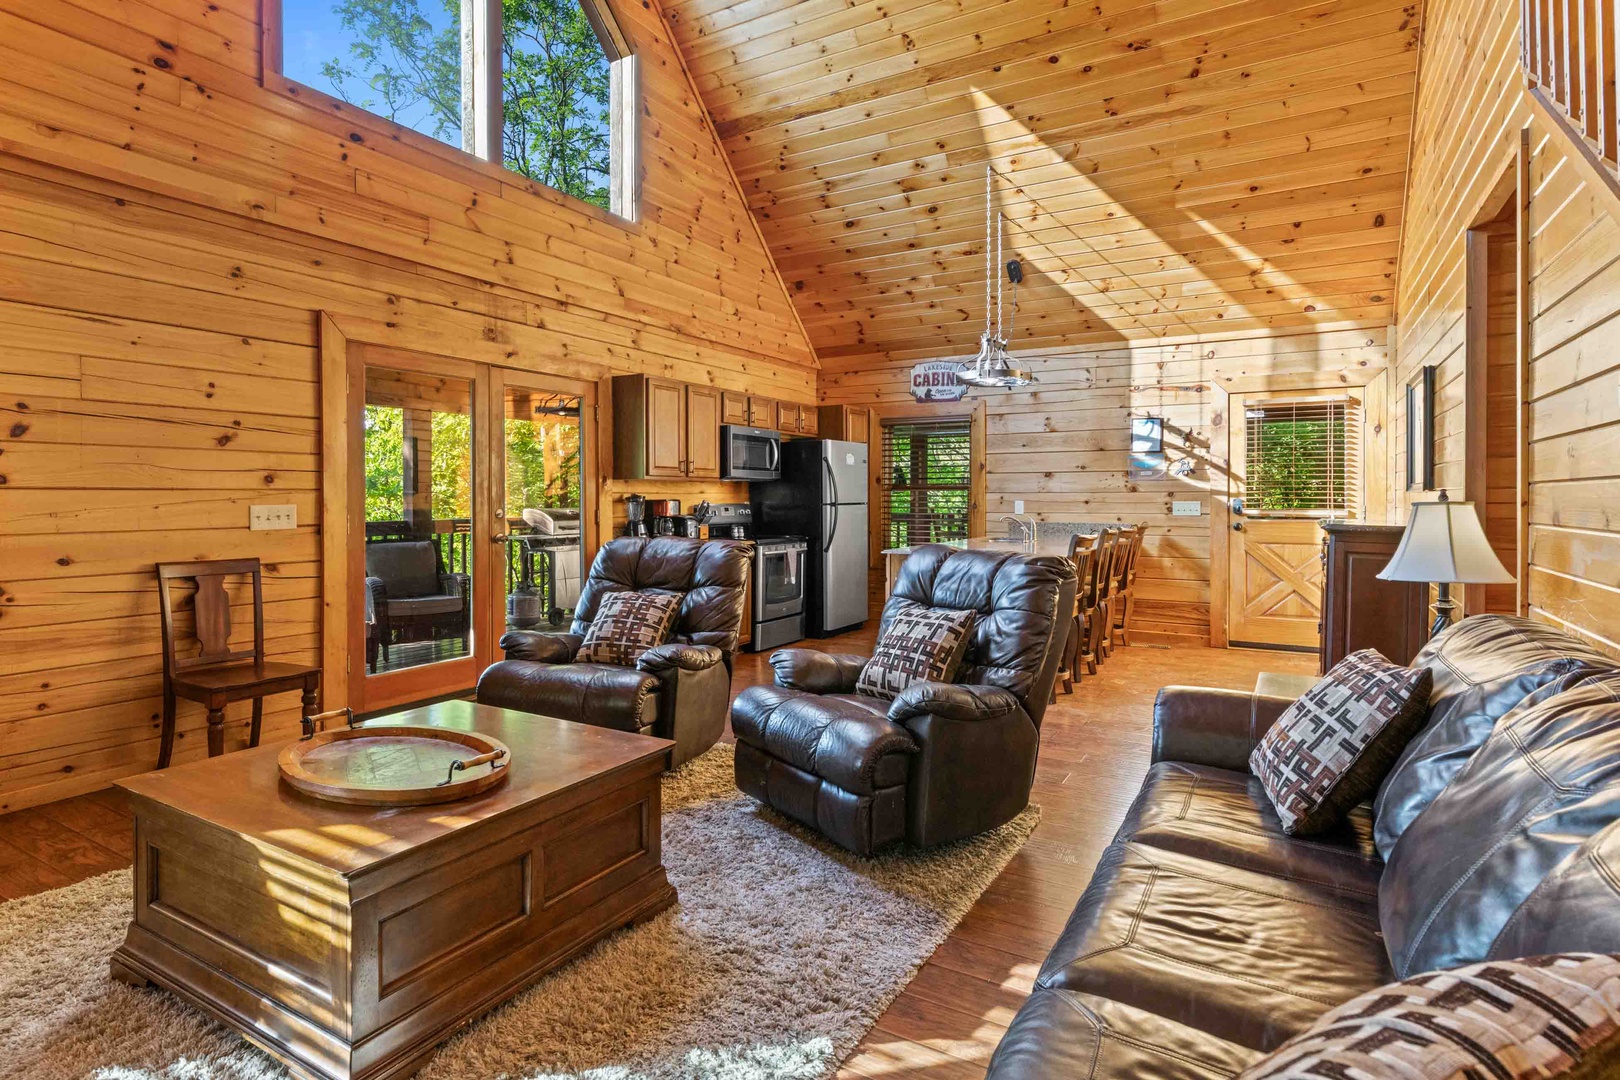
(1569,53)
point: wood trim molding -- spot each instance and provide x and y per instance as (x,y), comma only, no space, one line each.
(1220,511)
(1522,379)
(334,344)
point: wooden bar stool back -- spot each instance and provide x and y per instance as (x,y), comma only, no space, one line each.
(1116,584)
(217,674)
(1083,554)
(1127,585)
(1102,570)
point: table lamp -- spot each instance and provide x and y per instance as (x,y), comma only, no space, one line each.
(1444,543)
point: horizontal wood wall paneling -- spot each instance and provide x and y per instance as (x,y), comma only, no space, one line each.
(1470,111)
(171,232)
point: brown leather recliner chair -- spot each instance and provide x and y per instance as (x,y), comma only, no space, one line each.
(941,761)
(676,690)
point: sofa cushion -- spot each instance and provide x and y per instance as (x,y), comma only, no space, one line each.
(1059,1033)
(1576,908)
(1550,1017)
(425,605)
(836,738)
(1247,957)
(918,644)
(1482,667)
(1546,780)
(1329,750)
(627,624)
(1226,817)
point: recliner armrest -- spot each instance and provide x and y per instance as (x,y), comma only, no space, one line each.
(817,672)
(1205,726)
(548,648)
(952,701)
(665,660)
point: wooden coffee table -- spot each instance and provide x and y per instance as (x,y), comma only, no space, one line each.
(349,941)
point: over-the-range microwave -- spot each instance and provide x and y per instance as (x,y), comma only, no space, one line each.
(748,453)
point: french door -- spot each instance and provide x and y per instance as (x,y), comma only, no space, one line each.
(471,512)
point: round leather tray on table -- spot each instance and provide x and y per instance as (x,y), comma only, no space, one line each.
(395,766)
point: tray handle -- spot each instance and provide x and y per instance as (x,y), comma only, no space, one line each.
(317,722)
(492,758)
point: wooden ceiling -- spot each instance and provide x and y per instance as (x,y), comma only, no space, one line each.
(1166,169)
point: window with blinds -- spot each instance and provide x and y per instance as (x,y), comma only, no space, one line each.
(925,480)
(1303,457)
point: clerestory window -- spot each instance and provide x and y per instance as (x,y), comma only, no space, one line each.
(546,88)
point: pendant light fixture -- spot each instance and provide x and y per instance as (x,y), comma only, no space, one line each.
(993,367)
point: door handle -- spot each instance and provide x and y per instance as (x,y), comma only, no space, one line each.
(1237,526)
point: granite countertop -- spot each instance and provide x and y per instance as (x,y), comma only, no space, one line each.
(1051,538)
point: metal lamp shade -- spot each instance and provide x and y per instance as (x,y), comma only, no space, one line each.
(1444,542)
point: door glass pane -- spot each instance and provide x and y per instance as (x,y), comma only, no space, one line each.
(400,59)
(418,506)
(545,561)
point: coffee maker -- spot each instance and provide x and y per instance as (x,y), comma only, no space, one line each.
(635,515)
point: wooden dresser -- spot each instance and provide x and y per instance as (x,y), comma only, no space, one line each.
(1359,611)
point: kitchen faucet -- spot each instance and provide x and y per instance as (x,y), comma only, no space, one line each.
(1026,528)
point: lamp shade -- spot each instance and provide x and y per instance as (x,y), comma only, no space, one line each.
(1444,542)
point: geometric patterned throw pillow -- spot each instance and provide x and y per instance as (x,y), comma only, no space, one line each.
(1332,748)
(627,624)
(921,643)
(1551,1016)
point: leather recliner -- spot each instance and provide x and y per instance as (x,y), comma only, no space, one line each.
(677,690)
(940,762)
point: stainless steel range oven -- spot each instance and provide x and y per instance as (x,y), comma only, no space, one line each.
(778,614)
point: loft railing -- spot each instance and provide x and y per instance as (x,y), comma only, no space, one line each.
(1569,51)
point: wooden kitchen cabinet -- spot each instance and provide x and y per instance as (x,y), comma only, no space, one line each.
(665,429)
(734,408)
(809,420)
(703,432)
(846,422)
(761,412)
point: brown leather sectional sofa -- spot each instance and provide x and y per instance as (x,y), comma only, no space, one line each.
(1208,937)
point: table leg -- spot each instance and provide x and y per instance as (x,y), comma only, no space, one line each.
(258,721)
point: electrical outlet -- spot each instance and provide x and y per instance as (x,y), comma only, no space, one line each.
(1187,508)
(265,516)
(1018,506)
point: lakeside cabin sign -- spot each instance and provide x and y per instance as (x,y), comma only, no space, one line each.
(936,381)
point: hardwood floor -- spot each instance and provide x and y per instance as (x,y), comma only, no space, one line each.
(947,1021)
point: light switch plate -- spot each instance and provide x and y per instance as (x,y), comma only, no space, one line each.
(1018,506)
(263,516)
(1187,508)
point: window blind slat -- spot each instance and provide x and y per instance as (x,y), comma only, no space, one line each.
(925,478)
(1303,457)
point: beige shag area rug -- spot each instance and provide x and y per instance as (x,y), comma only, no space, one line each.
(782,952)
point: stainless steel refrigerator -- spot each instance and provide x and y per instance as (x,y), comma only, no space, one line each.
(822,497)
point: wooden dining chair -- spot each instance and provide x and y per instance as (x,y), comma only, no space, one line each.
(1125,596)
(216,674)
(1082,553)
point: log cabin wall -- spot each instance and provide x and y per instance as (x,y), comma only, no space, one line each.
(169,230)
(1063,448)
(1472,113)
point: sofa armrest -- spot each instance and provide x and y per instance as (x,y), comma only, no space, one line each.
(1205,726)
(454,584)
(667,659)
(547,648)
(953,701)
(817,672)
